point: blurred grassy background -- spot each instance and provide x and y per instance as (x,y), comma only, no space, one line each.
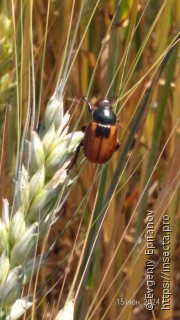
(101,49)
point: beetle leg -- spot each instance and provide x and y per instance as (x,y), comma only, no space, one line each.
(117,146)
(88,104)
(74,159)
(83,128)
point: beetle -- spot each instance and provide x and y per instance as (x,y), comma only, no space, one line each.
(100,135)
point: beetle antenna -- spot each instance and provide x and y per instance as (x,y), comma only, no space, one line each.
(88,104)
(116,99)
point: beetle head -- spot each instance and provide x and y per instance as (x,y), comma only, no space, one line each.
(104,114)
(105,104)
